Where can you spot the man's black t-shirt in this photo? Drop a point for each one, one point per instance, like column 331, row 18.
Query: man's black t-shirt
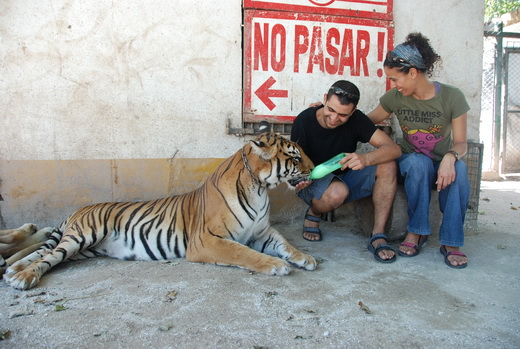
column 321, row 144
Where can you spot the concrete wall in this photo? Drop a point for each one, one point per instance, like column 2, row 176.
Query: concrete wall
column 119, row 80
column 85, row 85
column 456, row 32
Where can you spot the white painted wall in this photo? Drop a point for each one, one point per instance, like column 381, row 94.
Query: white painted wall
column 134, row 79
column 455, row 30
column 137, row 80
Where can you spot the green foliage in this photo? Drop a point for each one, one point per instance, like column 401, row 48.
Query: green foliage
column 496, row 8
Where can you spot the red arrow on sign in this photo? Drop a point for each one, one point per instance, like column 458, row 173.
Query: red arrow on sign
column 265, row 94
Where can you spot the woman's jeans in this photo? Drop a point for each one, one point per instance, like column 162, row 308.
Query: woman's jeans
column 420, row 173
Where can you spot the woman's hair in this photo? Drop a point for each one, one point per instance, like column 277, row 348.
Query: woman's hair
column 414, row 42
column 346, row 91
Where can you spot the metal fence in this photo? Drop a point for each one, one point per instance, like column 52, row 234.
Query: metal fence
column 487, row 112
column 473, row 160
column 500, row 101
column 511, row 152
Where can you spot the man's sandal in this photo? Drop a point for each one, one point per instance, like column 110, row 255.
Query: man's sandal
column 375, row 250
column 446, row 254
column 312, row 230
column 421, row 243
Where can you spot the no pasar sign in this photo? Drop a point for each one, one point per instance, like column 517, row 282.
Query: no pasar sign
column 290, row 58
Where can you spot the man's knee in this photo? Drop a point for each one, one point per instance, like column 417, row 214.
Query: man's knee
column 336, row 194
column 387, row 170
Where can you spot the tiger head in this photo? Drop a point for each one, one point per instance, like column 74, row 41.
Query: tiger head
column 278, row 160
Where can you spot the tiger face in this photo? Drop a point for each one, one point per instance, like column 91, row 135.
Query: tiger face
column 280, row 160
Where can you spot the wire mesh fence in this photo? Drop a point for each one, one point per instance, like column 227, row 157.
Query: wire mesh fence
column 473, row 160
column 511, row 152
column 487, row 112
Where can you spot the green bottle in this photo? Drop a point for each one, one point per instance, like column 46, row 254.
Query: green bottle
column 327, row 167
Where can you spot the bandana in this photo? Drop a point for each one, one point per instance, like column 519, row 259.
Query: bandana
column 410, row 54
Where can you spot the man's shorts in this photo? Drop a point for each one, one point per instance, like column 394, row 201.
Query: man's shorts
column 360, row 184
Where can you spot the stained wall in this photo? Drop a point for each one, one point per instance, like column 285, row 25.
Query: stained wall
column 103, row 101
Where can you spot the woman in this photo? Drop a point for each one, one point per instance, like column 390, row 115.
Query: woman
column 433, row 118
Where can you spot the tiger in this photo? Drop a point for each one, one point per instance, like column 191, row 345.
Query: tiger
column 224, row 222
column 18, row 243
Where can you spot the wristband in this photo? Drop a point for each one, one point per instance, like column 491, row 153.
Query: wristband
column 454, row 154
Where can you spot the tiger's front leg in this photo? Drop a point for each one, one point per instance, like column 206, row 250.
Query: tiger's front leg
column 273, row 243
column 14, row 236
column 27, row 272
column 220, row 251
column 23, row 275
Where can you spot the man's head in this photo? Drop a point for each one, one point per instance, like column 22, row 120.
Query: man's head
column 339, row 104
column 347, row 92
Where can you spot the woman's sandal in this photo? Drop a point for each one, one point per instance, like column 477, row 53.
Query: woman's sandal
column 311, row 230
column 446, row 254
column 375, row 250
column 421, row 243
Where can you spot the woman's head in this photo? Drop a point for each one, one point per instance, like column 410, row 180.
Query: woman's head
column 415, row 52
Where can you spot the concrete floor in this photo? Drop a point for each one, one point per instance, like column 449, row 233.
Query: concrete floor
column 413, row 303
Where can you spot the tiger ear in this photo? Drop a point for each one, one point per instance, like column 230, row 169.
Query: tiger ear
column 263, row 148
column 264, row 126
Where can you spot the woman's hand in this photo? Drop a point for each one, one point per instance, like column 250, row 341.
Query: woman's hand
column 446, row 174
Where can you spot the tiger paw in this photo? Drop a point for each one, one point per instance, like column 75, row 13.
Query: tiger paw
column 304, row 261
column 8, row 274
column 281, row 270
column 274, row 266
column 23, row 280
column 17, row 267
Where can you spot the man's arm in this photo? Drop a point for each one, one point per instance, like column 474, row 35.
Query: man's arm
column 387, row 150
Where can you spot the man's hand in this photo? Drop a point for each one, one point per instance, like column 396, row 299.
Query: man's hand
column 354, row 161
column 303, row 185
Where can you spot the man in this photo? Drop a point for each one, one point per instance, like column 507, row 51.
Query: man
column 335, row 127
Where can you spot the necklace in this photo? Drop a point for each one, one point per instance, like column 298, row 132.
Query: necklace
column 246, row 165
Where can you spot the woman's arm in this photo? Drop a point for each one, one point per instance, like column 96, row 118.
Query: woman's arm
column 459, row 128
column 446, row 174
column 378, row 115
